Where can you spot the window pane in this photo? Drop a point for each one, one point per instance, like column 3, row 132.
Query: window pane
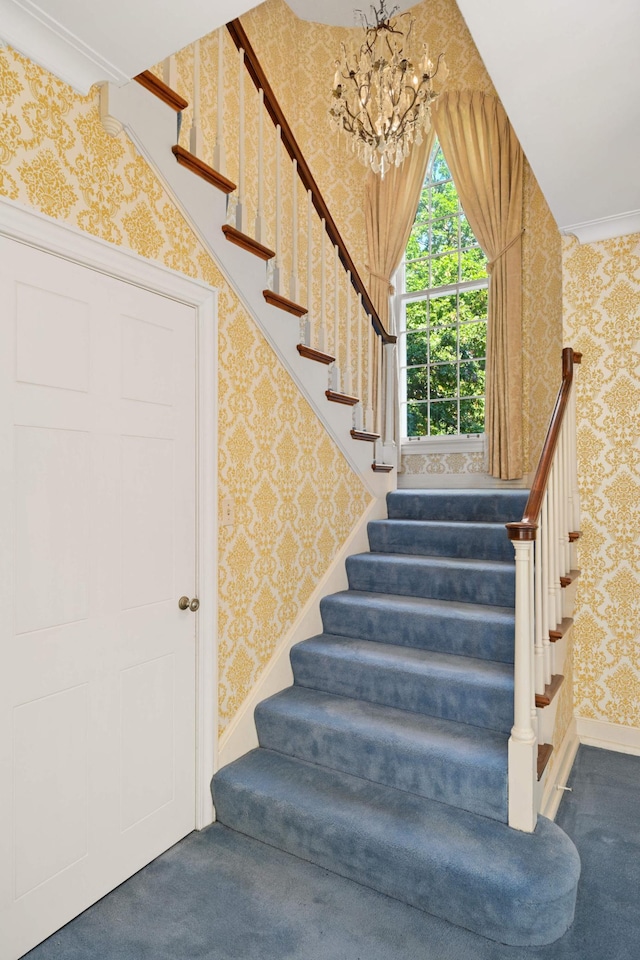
column 467, row 237
column 416, row 315
column 473, row 341
column 472, row 379
column 417, row 276
column 417, row 420
column 443, row 344
column 439, row 168
column 444, row 200
column 444, row 234
column 417, row 383
column 444, row 270
column 444, row 417
column 417, row 347
column 423, row 205
column 472, row 415
column 444, row 380
column 473, row 304
column 473, row 264
column 443, row 310
column 420, row 233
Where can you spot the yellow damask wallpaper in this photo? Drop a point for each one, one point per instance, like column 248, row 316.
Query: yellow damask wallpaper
column 602, row 319
column 296, row 498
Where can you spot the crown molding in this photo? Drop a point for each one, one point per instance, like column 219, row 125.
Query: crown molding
column 606, row 228
column 43, row 39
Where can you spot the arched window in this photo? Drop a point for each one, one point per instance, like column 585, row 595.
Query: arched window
column 442, row 294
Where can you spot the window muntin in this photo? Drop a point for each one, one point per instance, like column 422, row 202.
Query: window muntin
column 443, row 315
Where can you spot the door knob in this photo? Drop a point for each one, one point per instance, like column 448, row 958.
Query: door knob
column 185, row 604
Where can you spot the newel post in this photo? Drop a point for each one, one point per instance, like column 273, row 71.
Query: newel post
column 523, row 740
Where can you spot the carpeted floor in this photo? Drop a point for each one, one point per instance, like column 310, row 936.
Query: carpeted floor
column 221, row 896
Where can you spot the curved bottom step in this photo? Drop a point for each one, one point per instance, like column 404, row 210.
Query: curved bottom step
column 515, row 888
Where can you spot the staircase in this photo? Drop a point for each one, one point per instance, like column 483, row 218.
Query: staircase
column 386, row 761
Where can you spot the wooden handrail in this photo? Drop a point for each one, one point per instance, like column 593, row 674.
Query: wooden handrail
column 526, row 528
column 259, row 78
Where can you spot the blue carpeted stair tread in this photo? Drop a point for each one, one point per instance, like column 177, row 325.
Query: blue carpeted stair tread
column 512, row 887
column 466, row 629
column 447, row 761
column 489, row 582
column 476, row 692
column 437, row 538
column 490, row 506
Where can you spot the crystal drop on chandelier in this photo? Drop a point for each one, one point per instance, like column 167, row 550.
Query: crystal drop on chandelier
column 382, row 93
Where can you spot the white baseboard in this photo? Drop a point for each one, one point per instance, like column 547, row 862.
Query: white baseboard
column 558, row 772
column 458, row 481
column 609, row 736
column 240, row 736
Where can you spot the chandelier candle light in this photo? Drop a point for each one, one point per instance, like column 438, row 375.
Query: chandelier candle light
column 382, row 94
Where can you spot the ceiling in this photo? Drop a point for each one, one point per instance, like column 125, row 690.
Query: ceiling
column 339, row 13
column 568, row 77
column 84, row 42
column 565, row 72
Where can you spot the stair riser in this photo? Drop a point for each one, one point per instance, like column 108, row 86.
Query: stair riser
column 477, row 541
column 422, row 768
column 461, row 699
column 485, row 637
column 379, row 574
column 485, row 506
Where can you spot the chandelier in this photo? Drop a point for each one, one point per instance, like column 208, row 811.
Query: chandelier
column 382, row 93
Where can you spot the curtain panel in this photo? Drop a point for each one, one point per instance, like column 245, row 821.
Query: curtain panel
column 486, row 162
column 390, row 206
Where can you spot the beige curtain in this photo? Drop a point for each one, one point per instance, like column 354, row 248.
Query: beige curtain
column 486, row 163
column 390, row 206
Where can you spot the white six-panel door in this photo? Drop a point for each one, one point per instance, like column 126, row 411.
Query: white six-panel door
column 97, row 662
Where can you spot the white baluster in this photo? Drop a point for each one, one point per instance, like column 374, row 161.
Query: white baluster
column 277, row 273
column 522, row 742
column 346, row 376
column 195, row 135
column 241, row 207
column 219, row 156
column 323, row 288
column 552, row 552
column 335, row 366
column 533, row 710
column 390, row 395
column 170, row 72
column 568, row 499
column 294, row 286
column 557, row 540
column 538, row 621
column 543, row 539
column 378, row 453
column 370, row 375
column 358, row 419
column 309, row 318
column 259, row 230
column 378, row 344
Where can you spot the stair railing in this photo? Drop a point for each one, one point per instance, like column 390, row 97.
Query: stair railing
column 310, row 272
column 542, row 542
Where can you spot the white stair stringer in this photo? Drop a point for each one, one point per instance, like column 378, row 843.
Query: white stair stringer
column 151, row 126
